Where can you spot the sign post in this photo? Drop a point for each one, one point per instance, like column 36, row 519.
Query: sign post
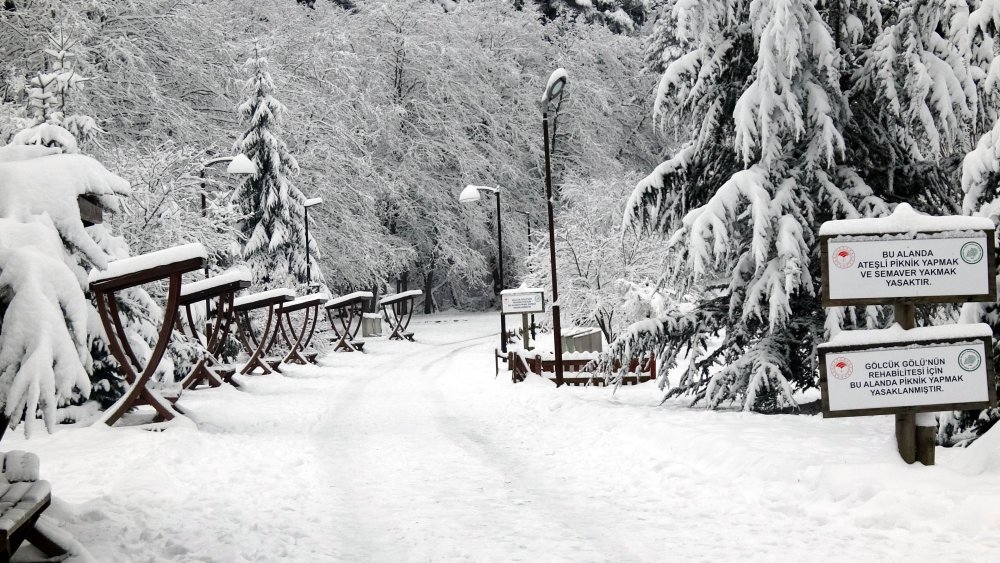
column 902, row 260
column 526, row 301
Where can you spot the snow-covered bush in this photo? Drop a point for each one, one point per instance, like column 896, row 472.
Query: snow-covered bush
column 47, row 320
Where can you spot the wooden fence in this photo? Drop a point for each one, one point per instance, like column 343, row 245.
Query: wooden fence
column 640, row 371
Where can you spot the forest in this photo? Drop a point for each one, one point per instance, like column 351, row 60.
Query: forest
column 696, row 150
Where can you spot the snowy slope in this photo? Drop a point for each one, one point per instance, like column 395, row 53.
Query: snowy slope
column 415, row 452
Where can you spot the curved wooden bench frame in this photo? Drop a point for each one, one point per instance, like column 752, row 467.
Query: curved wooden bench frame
column 129, row 366
column 398, row 310
column 303, row 337
column 253, row 346
column 218, row 331
column 347, row 309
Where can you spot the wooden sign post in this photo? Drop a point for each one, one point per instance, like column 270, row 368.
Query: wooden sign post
column 526, row 301
column 902, row 260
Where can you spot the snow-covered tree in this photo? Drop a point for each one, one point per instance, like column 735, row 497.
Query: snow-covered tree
column 47, row 321
column 274, row 223
column 606, row 276
column 765, row 109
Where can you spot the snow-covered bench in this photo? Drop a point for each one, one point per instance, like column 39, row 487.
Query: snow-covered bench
column 169, row 264
column 576, row 368
column 223, row 289
column 309, row 304
column 350, row 310
column 23, row 498
column 398, row 310
column 253, row 346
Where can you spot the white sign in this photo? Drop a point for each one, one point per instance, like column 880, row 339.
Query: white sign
column 908, row 375
column 523, row 302
column 868, row 269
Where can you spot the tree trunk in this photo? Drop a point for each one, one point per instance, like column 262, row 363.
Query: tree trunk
column 429, row 292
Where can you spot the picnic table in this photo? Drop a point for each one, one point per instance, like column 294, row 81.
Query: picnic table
column 223, row 289
column 309, row 304
column 398, row 310
column 23, row 498
column 348, row 308
column 169, row 264
column 254, row 347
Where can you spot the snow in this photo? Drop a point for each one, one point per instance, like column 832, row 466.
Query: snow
column 557, row 75
column 149, row 261
column 349, row 297
column 225, row 278
column 11, row 153
column 312, row 201
column 469, row 467
column 392, row 298
column 522, row 289
column 311, row 298
column 897, row 334
column 904, row 219
column 264, row 296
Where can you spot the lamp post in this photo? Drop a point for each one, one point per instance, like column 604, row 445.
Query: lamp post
column 306, row 205
column 527, row 217
column 239, row 165
column 471, row 195
column 553, row 91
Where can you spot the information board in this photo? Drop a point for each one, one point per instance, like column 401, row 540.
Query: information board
column 522, row 301
column 941, row 267
column 906, row 377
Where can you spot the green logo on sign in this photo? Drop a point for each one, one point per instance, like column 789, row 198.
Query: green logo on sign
column 969, row 360
column 972, row 252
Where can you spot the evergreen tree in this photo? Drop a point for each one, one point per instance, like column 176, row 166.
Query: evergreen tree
column 274, row 224
column 765, row 108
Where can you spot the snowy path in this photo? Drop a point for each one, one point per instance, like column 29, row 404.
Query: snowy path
column 414, row 452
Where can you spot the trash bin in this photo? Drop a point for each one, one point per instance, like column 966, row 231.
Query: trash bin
column 371, row 324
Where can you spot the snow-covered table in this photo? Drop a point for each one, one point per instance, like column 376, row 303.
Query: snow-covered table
column 398, row 310
column 253, row 346
column 223, row 289
column 348, row 308
column 309, row 304
column 170, row 264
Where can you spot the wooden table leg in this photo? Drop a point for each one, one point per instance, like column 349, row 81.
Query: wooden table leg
column 246, row 334
column 138, row 392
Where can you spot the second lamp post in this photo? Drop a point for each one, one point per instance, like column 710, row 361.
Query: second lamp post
column 471, row 195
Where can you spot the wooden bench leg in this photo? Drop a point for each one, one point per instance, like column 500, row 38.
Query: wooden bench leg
column 44, row 544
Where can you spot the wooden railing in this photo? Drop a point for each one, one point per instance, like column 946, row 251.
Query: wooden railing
column 640, row 371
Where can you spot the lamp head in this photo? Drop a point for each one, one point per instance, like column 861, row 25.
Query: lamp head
column 241, row 165
column 312, row 201
column 469, row 195
column 554, row 87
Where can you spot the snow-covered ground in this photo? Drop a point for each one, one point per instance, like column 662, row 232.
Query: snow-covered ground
column 415, row 452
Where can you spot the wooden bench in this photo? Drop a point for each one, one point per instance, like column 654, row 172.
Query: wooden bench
column 23, row 498
column 255, row 347
column 349, row 309
column 574, row 370
column 170, row 264
column 223, row 289
column 398, row 310
column 309, row 305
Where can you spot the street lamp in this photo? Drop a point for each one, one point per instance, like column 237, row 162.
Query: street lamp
column 306, row 205
column 527, row 217
column 471, row 195
column 239, row 165
column 553, row 92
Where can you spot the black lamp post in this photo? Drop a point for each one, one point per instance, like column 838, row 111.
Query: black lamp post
column 470, row 195
column 527, row 217
column 553, row 94
column 239, row 165
column 306, row 205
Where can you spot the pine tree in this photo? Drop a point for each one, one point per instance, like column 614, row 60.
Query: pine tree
column 742, row 201
column 274, row 225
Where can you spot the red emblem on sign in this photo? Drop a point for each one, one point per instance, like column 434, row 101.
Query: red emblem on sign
column 841, row 367
column 843, row 257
